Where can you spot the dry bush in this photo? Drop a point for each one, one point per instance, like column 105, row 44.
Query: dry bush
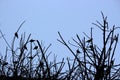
column 28, row 59
column 95, row 63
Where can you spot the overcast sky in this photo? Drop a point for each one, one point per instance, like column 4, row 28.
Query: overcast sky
column 45, row 17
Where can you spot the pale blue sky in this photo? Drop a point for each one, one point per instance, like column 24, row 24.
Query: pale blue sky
column 45, row 17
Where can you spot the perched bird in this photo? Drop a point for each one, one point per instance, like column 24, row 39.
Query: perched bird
column 36, row 47
column 91, row 47
column 116, row 38
column 112, row 62
column 16, row 34
column 30, row 57
column 25, row 47
column 77, row 51
column 32, row 40
column 41, row 64
column 90, row 40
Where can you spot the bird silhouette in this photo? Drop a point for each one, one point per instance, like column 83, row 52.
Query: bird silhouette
column 112, row 62
column 36, row 47
column 16, row 34
column 90, row 40
column 25, row 47
column 116, row 38
column 91, row 47
column 32, row 40
column 30, row 57
column 77, row 51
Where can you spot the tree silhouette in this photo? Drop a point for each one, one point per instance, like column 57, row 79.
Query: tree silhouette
column 29, row 60
column 96, row 63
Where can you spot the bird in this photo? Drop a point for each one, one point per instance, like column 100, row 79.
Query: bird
column 32, row 40
column 16, row 34
column 112, row 62
column 116, row 38
column 91, row 47
column 25, row 47
column 36, row 47
column 77, row 51
column 90, row 40
column 30, row 57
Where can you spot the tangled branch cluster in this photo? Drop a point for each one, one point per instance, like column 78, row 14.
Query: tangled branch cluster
column 30, row 59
